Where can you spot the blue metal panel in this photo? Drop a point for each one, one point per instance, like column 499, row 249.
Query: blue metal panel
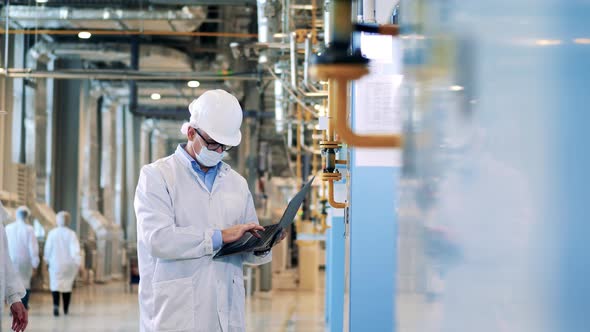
column 372, row 247
column 572, row 162
column 335, row 246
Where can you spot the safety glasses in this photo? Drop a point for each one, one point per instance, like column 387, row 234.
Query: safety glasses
column 213, row 146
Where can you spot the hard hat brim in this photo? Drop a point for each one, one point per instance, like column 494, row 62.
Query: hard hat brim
column 233, row 140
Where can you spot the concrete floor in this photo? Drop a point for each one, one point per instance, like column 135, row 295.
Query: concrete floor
column 107, row 308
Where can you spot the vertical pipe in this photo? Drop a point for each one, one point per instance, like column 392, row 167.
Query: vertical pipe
column 308, row 50
column 293, row 56
column 298, row 156
column 329, row 114
column 134, row 66
column 314, row 20
column 367, row 13
column 6, row 33
column 340, row 22
column 327, row 24
column 50, row 97
column 6, row 39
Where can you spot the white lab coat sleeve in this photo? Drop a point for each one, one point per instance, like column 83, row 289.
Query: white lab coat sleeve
column 14, row 290
column 250, row 216
column 155, row 222
column 33, row 248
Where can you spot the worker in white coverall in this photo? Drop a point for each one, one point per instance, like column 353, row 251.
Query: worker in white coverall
column 62, row 254
column 188, row 205
column 23, row 248
column 11, row 288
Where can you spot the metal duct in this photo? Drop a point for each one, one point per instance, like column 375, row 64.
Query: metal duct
column 151, row 57
column 204, row 2
column 187, row 19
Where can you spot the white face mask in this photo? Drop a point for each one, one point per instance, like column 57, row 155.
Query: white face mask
column 207, row 157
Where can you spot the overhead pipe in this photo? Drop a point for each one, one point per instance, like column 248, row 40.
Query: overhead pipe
column 107, row 52
column 192, row 17
column 125, row 75
column 204, row 2
column 131, row 33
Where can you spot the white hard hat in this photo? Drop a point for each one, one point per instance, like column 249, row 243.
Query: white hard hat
column 219, row 114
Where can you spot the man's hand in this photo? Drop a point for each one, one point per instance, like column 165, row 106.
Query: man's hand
column 19, row 317
column 283, row 236
column 234, row 233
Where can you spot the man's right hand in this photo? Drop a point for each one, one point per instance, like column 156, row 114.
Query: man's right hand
column 234, row 233
column 19, row 317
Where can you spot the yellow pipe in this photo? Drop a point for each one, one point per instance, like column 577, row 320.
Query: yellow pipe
column 330, row 114
column 333, row 203
column 340, row 122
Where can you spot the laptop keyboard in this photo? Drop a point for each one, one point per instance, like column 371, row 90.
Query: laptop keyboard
column 269, row 232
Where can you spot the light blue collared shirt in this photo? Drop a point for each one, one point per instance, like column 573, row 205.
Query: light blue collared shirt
column 208, row 179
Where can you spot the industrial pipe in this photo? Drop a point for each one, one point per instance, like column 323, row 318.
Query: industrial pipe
column 306, row 59
column 123, row 75
column 340, row 122
column 383, row 29
column 131, row 33
column 293, row 58
column 333, row 203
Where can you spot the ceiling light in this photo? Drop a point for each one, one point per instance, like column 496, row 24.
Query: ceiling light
column 155, row 96
column 582, row 40
column 84, row 35
column 456, row 88
column 41, row 1
column 193, row 84
column 547, row 42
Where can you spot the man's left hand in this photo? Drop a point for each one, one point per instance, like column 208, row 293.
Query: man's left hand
column 19, row 317
column 283, row 236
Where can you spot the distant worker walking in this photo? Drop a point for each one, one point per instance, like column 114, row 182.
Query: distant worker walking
column 23, row 248
column 62, row 254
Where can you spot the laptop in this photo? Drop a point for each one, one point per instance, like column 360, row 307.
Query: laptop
column 271, row 233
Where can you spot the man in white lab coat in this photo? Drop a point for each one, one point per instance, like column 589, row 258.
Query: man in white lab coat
column 62, row 254
column 187, row 206
column 11, row 289
column 23, row 248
